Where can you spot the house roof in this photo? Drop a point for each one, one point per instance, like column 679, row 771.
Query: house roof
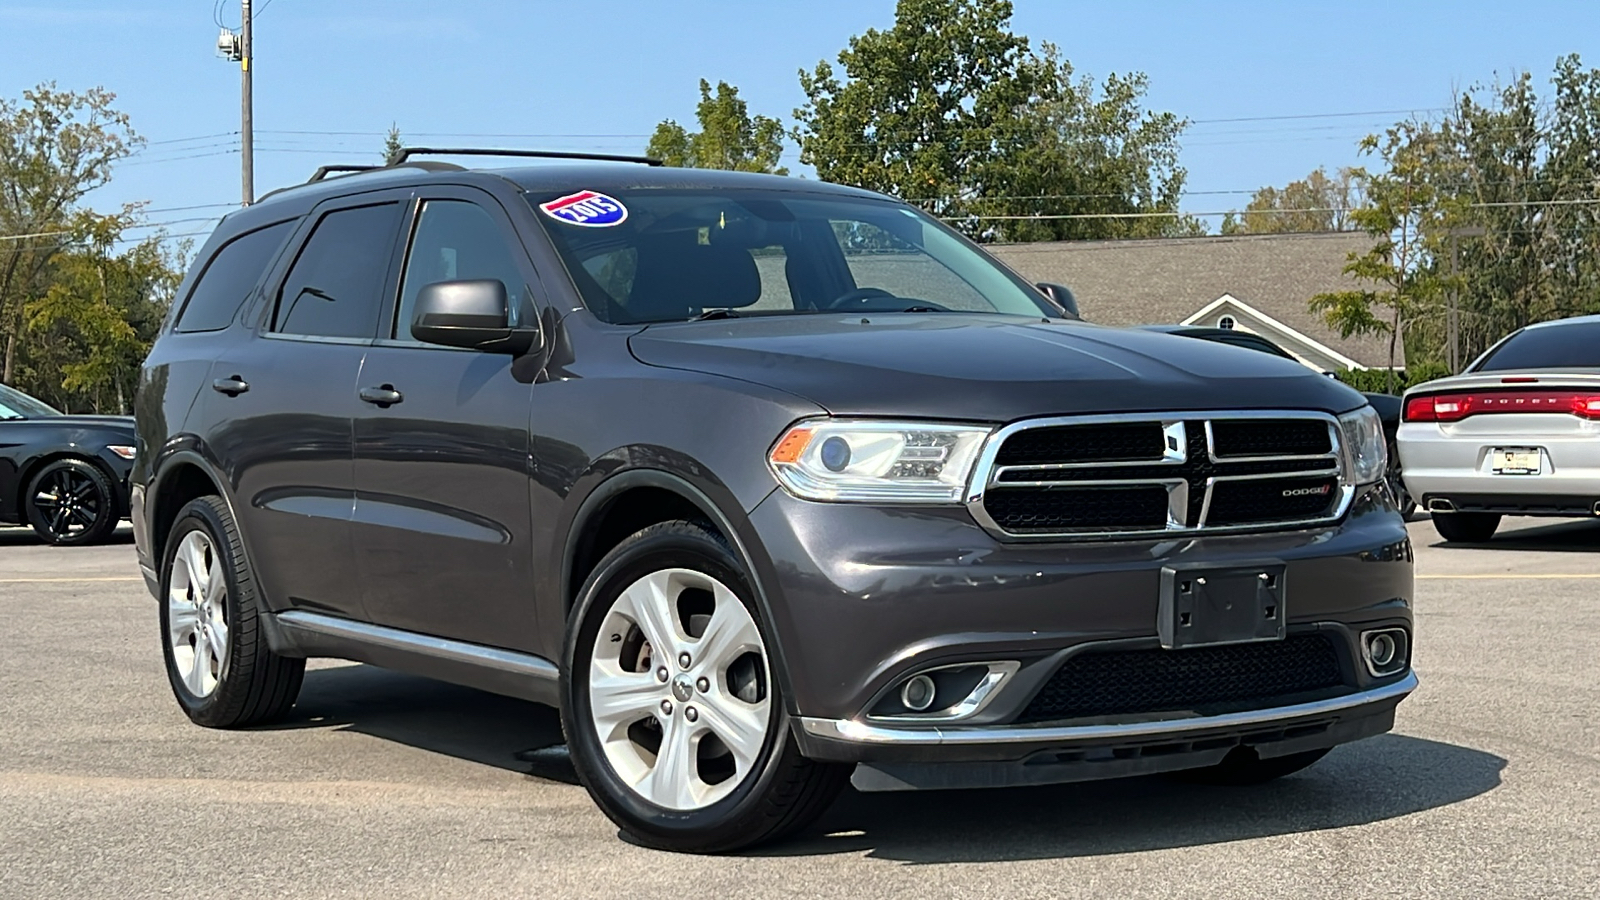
column 1140, row 282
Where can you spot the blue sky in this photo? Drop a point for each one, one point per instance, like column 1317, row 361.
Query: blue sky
column 331, row 75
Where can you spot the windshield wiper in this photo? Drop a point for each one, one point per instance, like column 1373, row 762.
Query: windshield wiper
column 720, row 313
column 923, row 309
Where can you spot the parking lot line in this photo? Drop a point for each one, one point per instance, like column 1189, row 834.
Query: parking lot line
column 64, row 580
column 1512, row 575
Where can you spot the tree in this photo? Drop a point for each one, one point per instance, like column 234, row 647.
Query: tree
column 952, row 110
column 1402, row 215
column 392, row 145
column 729, row 137
column 1316, row 203
column 55, row 147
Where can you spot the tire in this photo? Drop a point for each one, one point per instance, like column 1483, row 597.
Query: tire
column 246, row 683
column 1467, row 528
column 1397, row 485
column 71, row 503
column 728, row 794
column 1243, row 767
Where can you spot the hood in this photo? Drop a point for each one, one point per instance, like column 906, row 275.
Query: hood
column 110, row 423
column 985, row 368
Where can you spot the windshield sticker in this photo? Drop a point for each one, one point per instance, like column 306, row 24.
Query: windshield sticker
column 588, row 208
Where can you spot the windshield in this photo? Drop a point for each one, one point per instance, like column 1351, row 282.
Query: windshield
column 659, row 255
column 1574, row 345
column 14, row 404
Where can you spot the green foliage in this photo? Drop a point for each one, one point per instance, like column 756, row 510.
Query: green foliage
column 952, row 110
column 729, row 137
column 1384, row 381
column 392, row 145
column 77, row 316
column 1316, row 203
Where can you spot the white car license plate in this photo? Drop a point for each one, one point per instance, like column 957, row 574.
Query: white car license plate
column 1515, row 460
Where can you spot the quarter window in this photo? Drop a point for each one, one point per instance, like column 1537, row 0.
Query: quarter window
column 333, row 290
column 456, row 241
column 229, row 277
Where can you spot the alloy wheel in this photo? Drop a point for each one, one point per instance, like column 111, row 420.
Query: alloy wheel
column 678, row 689
column 69, row 503
column 197, row 625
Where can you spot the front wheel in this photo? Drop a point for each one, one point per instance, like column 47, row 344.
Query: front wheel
column 674, row 717
column 70, row 503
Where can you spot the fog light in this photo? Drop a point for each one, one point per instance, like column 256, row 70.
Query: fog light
column 917, row 694
column 1384, row 651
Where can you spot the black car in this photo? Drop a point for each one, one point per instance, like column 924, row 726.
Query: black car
column 770, row 485
column 67, row 476
column 1387, row 406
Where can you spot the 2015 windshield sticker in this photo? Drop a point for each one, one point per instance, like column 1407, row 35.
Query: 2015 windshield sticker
column 591, row 209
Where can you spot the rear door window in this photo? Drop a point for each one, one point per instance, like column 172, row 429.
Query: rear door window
column 335, row 287
column 1574, row 345
column 229, row 277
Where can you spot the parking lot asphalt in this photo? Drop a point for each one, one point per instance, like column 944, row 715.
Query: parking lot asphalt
column 385, row 785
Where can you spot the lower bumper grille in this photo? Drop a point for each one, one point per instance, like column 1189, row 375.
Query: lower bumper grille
column 1125, row 682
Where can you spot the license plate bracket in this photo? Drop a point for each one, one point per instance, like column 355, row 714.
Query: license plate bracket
column 1206, row 605
column 1516, row 461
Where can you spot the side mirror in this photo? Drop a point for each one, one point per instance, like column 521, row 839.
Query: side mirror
column 475, row 315
column 1062, row 298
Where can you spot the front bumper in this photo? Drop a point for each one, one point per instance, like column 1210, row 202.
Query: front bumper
column 861, row 597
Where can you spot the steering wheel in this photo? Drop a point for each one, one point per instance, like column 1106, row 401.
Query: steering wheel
column 859, row 295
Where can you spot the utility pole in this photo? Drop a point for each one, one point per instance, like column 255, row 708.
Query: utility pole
column 237, row 48
column 247, row 146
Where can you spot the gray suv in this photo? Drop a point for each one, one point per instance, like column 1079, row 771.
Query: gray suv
column 769, row 485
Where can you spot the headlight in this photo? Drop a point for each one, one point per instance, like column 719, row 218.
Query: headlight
column 876, row 462
column 1364, row 445
column 122, row 450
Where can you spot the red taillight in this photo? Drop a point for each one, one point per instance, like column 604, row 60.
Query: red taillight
column 1455, row 407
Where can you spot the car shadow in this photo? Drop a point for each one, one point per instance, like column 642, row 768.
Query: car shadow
column 23, row 536
column 468, row 724
column 1369, row 781
column 1560, row 536
column 1380, row 778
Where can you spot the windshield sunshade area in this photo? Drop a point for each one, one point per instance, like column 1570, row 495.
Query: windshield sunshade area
column 664, row 255
column 1572, row 345
column 14, row 404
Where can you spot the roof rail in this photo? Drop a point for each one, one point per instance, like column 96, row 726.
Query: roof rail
column 324, row 171
column 405, row 153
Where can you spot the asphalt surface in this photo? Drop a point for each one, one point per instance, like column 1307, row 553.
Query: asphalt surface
column 384, row 785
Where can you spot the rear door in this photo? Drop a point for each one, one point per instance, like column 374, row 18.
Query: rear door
column 441, row 526
column 283, row 403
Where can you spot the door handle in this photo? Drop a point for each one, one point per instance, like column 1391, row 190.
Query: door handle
column 233, row 385
column 383, row 395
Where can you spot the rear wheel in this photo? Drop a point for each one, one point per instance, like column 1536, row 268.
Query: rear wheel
column 674, row 718
column 1397, row 485
column 218, row 662
column 1467, row 528
column 1243, row 766
column 70, row 502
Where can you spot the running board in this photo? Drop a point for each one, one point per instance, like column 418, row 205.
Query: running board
column 298, row 633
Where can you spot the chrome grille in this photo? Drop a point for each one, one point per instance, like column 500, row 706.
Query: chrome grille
column 1108, row 476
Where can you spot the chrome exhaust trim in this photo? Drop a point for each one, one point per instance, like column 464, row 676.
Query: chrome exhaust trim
column 1439, row 504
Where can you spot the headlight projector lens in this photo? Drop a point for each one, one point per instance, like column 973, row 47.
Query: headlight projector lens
column 835, row 454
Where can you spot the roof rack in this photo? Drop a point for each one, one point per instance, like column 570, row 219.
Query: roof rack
column 324, row 171
column 405, row 153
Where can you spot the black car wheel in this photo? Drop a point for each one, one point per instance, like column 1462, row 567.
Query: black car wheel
column 674, row 719
column 70, row 502
column 222, row 671
column 1397, row 484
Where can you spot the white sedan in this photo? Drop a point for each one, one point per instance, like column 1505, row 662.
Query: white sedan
column 1517, row 433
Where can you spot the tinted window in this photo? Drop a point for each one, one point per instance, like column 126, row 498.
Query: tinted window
column 229, row 278
column 675, row 254
column 333, row 289
column 455, row 241
column 14, row 404
column 1566, row 346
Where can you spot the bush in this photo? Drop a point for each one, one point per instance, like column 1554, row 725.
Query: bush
column 1377, row 380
